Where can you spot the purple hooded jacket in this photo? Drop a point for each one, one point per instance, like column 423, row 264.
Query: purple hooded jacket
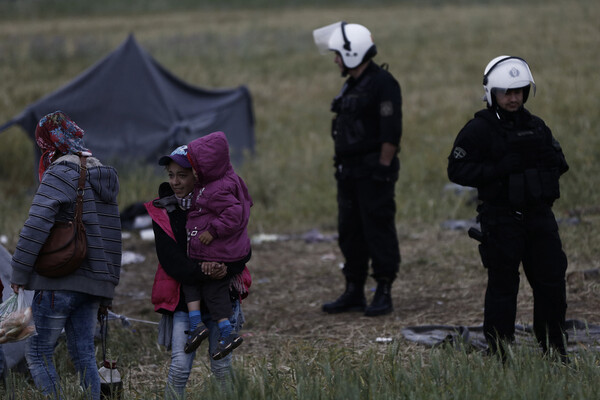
column 220, row 204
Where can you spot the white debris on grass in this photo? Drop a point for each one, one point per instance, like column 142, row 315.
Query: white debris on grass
column 147, row 234
column 328, row 257
column 142, row 221
column 312, row 236
column 460, row 224
column 266, row 237
column 129, row 257
column 458, row 189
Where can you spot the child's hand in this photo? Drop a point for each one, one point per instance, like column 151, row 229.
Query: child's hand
column 205, row 237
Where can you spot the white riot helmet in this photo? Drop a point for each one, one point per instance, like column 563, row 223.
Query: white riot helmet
column 507, row 72
column 353, row 42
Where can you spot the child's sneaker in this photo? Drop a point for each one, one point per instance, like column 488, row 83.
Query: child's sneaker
column 195, row 338
column 226, row 345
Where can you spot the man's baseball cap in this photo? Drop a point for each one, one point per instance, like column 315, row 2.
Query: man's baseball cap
column 179, row 155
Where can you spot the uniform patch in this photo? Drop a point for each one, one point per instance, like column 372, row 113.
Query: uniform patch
column 459, row 153
column 386, row 109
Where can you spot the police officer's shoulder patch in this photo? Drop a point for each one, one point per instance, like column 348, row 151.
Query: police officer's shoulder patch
column 459, row 152
column 386, row 109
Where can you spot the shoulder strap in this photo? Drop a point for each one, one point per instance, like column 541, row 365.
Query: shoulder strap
column 80, row 188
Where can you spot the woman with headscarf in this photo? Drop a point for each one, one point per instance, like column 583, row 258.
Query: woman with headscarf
column 71, row 302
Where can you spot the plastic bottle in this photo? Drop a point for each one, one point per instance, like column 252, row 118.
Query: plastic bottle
column 111, row 387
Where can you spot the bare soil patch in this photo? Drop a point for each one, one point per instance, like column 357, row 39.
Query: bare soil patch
column 441, row 281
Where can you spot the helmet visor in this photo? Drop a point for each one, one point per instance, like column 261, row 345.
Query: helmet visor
column 526, row 86
column 323, row 35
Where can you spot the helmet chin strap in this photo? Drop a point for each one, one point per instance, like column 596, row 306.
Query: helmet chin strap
column 505, row 115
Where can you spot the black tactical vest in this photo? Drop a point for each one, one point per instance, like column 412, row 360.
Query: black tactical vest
column 535, row 184
column 355, row 127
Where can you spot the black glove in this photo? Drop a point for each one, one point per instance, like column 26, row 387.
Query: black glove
column 384, row 173
column 510, row 163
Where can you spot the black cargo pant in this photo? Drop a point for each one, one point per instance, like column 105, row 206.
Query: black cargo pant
column 530, row 237
column 367, row 228
column 214, row 294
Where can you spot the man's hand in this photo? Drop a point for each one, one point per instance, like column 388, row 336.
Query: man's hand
column 205, row 237
column 214, row 269
column 103, row 312
column 388, row 152
column 219, row 271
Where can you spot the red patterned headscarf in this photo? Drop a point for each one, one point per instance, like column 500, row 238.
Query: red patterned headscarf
column 56, row 132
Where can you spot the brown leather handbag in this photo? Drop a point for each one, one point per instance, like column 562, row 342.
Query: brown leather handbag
column 66, row 246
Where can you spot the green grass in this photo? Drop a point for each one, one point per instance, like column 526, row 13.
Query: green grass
column 335, row 372
column 437, row 50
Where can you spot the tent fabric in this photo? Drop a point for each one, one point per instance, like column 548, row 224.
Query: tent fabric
column 134, row 110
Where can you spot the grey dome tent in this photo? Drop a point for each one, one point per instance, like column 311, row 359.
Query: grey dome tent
column 133, row 110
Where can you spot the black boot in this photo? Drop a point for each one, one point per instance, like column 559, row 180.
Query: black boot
column 382, row 300
column 353, row 299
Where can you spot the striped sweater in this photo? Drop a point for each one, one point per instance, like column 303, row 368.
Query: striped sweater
column 55, row 200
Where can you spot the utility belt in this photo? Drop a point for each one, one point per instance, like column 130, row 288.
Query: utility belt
column 354, row 166
column 505, row 213
column 502, row 210
column 366, row 165
column 356, row 160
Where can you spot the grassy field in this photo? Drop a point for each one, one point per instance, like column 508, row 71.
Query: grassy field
column 437, row 50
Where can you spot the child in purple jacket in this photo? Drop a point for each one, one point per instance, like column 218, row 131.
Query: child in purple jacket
column 217, row 231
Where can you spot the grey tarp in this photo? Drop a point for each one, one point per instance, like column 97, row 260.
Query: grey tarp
column 580, row 334
column 134, row 110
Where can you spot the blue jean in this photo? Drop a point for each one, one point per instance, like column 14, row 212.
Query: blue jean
column 181, row 363
column 2, row 363
column 76, row 313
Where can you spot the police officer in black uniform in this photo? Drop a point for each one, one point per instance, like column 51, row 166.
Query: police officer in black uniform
column 366, row 132
column 513, row 160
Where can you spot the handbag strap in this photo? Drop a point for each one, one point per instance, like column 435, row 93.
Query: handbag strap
column 103, row 335
column 80, row 188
